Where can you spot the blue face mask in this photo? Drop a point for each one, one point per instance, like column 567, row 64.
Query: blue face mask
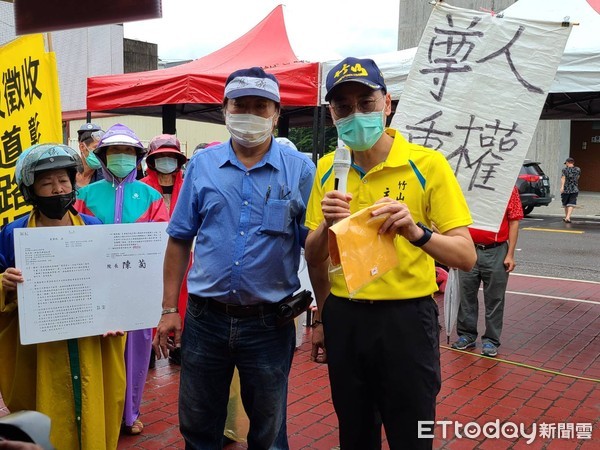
column 120, row 164
column 92, row 161
column 360, row 131
column 166, row 164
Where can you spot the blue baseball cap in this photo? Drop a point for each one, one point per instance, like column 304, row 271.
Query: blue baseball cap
column 254, row 81
column 89, row 127
column 363, row 71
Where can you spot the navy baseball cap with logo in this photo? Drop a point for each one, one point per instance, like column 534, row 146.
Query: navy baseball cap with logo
column 363, row 71
column 254, row 81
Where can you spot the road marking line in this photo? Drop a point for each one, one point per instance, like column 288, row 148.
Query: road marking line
column 513, row 274
column 519, row 364
column 552, row 297
column 552, row 231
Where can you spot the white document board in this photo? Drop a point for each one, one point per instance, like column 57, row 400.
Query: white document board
column 86, row 280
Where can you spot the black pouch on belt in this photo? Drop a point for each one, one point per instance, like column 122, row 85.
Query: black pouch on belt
column 290, row 308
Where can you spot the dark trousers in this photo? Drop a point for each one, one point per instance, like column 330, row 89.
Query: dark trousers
column 211, row 345
column 384, row 368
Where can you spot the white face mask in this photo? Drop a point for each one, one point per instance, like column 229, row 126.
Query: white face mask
column 248, row 130
column 166, row 164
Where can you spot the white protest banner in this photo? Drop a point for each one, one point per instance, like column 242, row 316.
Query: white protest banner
column 475, row 92
column 86, row 280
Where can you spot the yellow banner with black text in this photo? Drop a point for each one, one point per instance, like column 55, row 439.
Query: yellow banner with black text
column 30, row 112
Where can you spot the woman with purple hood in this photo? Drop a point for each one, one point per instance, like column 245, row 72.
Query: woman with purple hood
column 120, row 198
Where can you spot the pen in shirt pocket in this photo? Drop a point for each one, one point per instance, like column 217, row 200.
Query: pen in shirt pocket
column 284, row 192
column 268, row 194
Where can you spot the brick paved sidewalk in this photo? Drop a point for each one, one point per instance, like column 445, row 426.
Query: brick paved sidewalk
column 543, row 330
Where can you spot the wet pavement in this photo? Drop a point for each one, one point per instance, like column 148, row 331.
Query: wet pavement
column 547, row 375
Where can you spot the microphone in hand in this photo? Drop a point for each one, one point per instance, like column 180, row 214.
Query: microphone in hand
column 341, row 166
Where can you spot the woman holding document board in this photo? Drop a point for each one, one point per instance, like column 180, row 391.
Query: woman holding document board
column 78, row 383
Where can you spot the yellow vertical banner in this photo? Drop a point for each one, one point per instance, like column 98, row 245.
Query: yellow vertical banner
column 30, row 111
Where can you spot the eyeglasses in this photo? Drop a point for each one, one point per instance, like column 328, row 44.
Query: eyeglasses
column 97, row 135
column 364, row 105
column 94, row 136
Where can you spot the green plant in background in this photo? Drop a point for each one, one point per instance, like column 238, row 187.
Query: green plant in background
column 302, row 137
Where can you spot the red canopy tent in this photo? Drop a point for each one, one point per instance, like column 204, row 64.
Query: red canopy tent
column 195, row 90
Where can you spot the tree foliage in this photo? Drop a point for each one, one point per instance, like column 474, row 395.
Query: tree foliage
column 302, row 137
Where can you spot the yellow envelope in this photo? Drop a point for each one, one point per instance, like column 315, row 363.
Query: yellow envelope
column 363, row 253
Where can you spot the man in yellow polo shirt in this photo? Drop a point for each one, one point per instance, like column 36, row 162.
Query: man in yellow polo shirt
column 382, row 341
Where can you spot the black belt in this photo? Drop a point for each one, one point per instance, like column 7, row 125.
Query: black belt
column 488, row 246
column 237, row 311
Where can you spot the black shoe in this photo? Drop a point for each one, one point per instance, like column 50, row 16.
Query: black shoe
column 175, row 356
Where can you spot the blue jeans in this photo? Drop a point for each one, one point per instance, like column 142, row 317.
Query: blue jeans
column 212, row 344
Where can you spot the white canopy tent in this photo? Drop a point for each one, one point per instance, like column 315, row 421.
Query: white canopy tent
column 394, row 66
column 575, row 92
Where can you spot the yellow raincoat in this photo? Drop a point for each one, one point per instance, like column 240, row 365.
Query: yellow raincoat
column 78, row 383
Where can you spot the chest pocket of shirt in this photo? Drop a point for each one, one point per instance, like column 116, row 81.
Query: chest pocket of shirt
column 277, row 216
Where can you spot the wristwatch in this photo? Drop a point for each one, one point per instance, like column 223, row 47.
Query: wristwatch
column 423, row 239
column 169, row 311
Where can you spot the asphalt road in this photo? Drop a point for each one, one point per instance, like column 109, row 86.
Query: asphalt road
column 549, row 247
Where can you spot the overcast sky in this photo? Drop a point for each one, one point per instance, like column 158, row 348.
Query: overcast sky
column 318, row 30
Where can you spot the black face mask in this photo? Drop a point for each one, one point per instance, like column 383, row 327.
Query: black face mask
column 56, row 206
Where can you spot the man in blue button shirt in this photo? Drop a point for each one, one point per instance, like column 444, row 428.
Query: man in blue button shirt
column 244, row 203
